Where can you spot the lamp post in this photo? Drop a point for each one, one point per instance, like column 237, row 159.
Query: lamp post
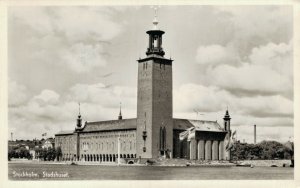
column 119, row 149
column 144, row 138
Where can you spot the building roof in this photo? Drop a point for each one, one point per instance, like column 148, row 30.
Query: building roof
column 65, row 132
column 129, row 124
column 110, row 125
column 200, row 125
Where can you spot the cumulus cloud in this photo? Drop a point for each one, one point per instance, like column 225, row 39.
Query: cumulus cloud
column 271, row 113
column 50, row 112
column 99, row 93
column 252, row 78
column 211, row 99
column 46, row 97
column 269, row 71
column 193, row 96
column 75, row 36
column 257, row 59
column 83, row 58
column 278, row 57
column 215, row 54
column 17, row 94
column 258, row 25
column 81, row 23
column 75, row 23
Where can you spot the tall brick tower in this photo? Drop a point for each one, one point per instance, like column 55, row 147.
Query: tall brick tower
column 154, row 103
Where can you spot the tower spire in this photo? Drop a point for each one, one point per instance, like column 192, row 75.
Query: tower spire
column 79, row 109
column 120, row 114
column 155, row 20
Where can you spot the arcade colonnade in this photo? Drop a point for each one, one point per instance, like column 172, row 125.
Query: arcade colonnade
column 97, row 157
column 207, row 150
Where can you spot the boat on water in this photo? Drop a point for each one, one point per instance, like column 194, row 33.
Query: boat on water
column 73, row 163
column 244, row 165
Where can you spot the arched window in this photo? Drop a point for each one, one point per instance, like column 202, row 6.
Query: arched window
column 162, row 140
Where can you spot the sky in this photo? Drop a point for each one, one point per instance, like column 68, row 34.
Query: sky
column 235, row 57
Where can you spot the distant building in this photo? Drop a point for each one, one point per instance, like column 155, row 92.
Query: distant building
column 154, row 133
column 32, row 152
column 48, row 143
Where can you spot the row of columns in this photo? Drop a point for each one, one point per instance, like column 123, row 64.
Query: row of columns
column 105, row 157
column 97, row 157
column 207, row 150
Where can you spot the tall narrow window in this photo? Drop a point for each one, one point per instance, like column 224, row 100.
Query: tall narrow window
column 161, row 139
column 164, row 138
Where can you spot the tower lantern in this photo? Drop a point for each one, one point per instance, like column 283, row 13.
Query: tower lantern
column 155, row 39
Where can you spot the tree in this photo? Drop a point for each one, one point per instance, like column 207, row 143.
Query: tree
column 262, row 150
column 289, row 146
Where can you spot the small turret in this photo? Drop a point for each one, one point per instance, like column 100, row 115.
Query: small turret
column 79, row 120
column 120, row 114
column 227, row 121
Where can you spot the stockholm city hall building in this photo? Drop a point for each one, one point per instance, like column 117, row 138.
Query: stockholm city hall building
column 154, row 133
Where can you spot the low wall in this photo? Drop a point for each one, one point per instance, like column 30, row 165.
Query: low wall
column 278, row 163
column 19, row 159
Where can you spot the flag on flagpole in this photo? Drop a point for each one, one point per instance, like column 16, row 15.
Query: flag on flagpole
column 189, row 133
column 229, row 140
column 233, row 136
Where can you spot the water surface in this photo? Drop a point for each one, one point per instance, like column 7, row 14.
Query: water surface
column 97, row 172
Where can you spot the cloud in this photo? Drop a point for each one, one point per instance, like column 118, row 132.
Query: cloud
column 46, row 97
column 252, row 78
column 108, row 97
column 74, row 36
column 278, row 57
column 269, row 71
column 193, row 96
column 215, row 54
column 212, row 99
column 83, row 58
column 273, row 114
column 36, row 18
column 75, row 23
column 17, row 94
column 257, row 25
column 50, row 112
column 81, row 23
